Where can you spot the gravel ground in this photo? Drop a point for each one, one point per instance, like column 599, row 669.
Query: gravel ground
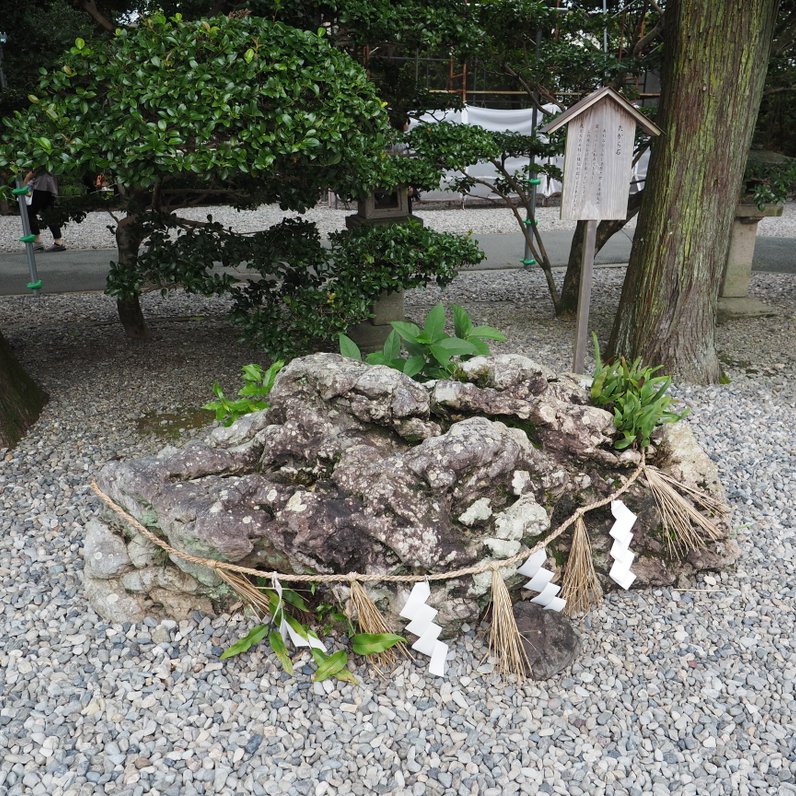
column 93, row 232
column 685, row 691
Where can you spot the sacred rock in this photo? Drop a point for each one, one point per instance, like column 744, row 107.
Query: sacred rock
column 358, row 468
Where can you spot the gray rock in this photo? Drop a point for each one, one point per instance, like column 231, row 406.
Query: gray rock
column 142, row 552
column 357, row 468
column 104, row 553
column 549, row 639
column 113, row 602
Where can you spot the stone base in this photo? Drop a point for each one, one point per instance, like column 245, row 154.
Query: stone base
column 743, row 307
column 738, row 268
column 370, row 335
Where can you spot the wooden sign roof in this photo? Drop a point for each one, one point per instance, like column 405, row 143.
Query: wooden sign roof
column 587, row 102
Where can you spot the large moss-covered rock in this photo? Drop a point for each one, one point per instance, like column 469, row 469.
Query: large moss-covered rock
column 358, row 468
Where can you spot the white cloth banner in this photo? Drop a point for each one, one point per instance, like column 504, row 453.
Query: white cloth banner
column 518, row 120
column 514, row 121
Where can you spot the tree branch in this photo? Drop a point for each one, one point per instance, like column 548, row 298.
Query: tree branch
column 90, row 7
column 533, row 95
column 778, row 90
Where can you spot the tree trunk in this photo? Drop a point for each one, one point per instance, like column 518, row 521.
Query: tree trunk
column 714, row 67
column 568, row 304
column 128, row 241
column 21, row 399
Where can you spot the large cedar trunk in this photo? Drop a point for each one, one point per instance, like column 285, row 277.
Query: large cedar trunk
column 128, row 241
column 713, row 72
column 21, row 399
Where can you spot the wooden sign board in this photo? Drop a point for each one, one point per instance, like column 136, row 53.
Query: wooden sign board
column 598, row 164
column 598, row 160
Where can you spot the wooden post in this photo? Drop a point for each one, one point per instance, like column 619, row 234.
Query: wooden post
column 584, row 297
column 597, row 168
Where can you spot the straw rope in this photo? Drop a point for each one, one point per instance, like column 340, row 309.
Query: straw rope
column 361, row 577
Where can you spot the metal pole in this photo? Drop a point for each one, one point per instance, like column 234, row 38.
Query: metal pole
column 27, row 237
column 584, row 297
column 3, row 40
column 530, row 210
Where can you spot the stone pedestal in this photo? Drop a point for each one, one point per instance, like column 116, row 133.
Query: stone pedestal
column 379, row 209
column 370, row 335
column 738, row 270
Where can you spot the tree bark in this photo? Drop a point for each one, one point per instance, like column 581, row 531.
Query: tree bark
column 128, row 242
column 568, row 303
column 21, row 399
column 713, row 71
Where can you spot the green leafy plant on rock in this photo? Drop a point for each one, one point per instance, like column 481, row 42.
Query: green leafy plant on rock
column 638, row 399
column 257, row 384
column 432, row 352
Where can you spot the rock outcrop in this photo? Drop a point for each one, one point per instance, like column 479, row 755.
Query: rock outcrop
column 359, row 468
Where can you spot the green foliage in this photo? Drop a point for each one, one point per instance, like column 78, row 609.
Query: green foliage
column 432, row 352
column 223, row 99
column 257, row 384
column 300, row 294
column 401, row 256
column 328, row 665
column 280, row 650
column 254, row 636
column 374, row 643
column 38, row 33
column 569, row 55
column 640, row 401
column 445, row 150
column 769, row 178
column 329, row 616
column 776, row 122
column 333, row 665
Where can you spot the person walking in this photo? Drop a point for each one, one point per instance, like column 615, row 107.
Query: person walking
column 44, row 190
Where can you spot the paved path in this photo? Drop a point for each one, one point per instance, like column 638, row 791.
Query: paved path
column 78, row 270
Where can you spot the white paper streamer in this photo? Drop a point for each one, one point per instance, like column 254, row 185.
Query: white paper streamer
column 286, row 630
column 620, row 550
column 422, row 625
column 540, row 580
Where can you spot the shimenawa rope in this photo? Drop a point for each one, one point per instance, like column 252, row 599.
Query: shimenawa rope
column 362, row 577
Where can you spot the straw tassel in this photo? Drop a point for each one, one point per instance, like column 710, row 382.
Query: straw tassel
column 580, row 586
column 250, row 594
column 505, row 642
column 686, row 527
column 371, row 620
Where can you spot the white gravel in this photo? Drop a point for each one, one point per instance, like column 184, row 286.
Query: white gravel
column 676, row 691
column 94, row 232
